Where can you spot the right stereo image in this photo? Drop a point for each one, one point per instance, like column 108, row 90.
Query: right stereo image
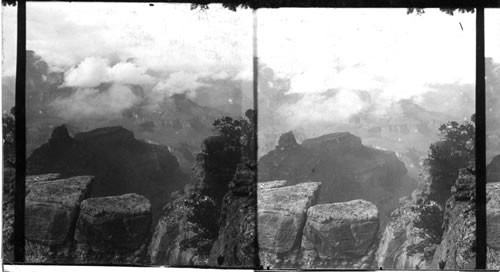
column 366, row 139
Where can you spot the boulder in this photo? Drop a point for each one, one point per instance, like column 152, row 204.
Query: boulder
column 51, row 212
column 113, row 229
column 340, row 235
column 281, row 218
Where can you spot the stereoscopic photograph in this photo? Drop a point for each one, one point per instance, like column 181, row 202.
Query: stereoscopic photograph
column 366, row 139
column 221, row 136
column 139, row 135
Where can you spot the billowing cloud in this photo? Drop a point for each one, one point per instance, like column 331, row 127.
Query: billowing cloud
column 93, row 103
column 178, row 82
column 88, row 74
column 93, row 71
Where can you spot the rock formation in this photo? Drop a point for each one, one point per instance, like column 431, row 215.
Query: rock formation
column 457, row 248
column 52, row 208
column 405, row 243
column 340, row 235
column 120, row 163
column 281, row 219
column 236, row 244
column 346, row 168
column 113, row 230
column 195, row 230
column 493, row 225
column 422, row 235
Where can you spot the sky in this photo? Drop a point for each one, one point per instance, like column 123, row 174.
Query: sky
column 96, row 42
column 367, row 49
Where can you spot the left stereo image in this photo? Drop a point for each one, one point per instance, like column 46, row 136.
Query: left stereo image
column 140, row 135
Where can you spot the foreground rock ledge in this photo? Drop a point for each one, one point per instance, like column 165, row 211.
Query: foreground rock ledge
column 113, row 229
column 340, row 235
column 51, row 212
column 281, row 218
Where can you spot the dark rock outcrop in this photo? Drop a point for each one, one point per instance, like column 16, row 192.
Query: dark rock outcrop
column 281, row 219
column 120, row 163
column 113, row 230
column 176, row 241
column 236, row 245
column 194, row 230
column 52, row 208
column 340, row 235
column 347, row 169
column 457, row 249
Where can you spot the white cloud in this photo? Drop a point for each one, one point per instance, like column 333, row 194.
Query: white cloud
column 163, row 38
column 351, row 49
column 88, row 74
column 178, row 82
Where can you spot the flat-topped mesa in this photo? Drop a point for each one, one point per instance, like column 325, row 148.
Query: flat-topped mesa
column 281, row 218
column 271, row 184
column 106, row 134
column 113, row 229
column 340, row 235
column 334, row 140
column 51, row 213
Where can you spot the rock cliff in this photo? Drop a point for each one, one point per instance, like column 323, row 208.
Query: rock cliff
column 422, row 235
column 296, row 232
column 52, row 208
column 236, row 244
column 346, row 168
column 195, row 230
column 281, row 219
column 113, row 230
column 120, row 163
column 406, row 243
column 493, row 225
column 340, row 235
column 64, row 226
column 457, row 248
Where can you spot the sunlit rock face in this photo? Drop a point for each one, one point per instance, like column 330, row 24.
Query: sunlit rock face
column 340, row 235
column 282, row 215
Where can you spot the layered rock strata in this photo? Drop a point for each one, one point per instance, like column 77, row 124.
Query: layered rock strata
column 52, row 208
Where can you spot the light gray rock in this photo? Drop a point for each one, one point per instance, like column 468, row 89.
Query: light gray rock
column 340, row 235
column 281, row 218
